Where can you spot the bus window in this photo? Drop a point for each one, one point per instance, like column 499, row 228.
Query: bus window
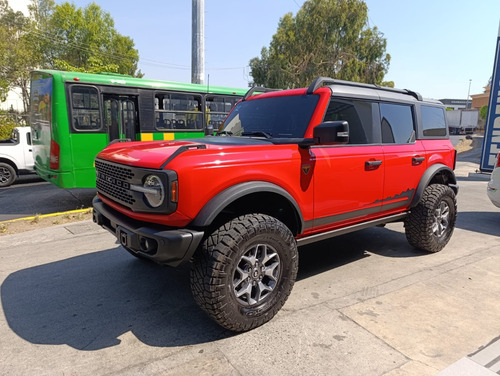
column 85, row 113
column 177, row 111
column 217, row 107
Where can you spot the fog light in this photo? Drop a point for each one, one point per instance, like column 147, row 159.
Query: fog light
column 148, row 245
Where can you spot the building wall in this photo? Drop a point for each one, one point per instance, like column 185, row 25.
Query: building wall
column 14, row 101
column 454, row 104
column 480, row 100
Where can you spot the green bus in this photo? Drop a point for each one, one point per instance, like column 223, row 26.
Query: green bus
column 75, row 115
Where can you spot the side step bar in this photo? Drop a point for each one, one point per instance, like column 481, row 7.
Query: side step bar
column 346, row 230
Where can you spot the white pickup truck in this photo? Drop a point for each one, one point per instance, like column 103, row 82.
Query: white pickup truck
column 16, row 157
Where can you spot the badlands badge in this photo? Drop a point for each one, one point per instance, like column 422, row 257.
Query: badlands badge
column 306, row 168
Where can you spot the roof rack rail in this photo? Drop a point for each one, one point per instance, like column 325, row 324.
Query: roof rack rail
column 254, row 89
column 320, row 81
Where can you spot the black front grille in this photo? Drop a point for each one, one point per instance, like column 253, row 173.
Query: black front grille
column 114, row 181
column 119, row 172
column 122, row 184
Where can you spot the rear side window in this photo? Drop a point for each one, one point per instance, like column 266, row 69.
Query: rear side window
column 397, row 123
column 433, row 121
column 358, row 114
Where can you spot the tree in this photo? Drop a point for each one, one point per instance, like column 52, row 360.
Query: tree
column 483, row 112
column 17, row 57
column 83, row 39
column 60, row 37
column 326, row 38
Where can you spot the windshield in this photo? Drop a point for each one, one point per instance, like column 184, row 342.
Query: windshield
column 277, row 117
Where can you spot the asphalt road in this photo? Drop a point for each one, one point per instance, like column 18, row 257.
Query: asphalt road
column 73, row 302
column 31, row 195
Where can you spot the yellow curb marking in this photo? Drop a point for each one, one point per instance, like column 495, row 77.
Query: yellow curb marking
column 46, row 215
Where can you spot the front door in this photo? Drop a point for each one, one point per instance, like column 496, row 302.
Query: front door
column 120, row 116
column 349, row 179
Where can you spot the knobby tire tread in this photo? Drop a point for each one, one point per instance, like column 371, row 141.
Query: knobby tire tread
column 211, row 263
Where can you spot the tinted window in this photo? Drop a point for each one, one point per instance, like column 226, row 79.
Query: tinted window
column 359, row 116
column 284, row 117
column 178, row 111
column 433, row 121
column 85, row 108
column 397, row 123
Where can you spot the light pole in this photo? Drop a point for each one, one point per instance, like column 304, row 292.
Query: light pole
column 198, row 42
column 468, row 92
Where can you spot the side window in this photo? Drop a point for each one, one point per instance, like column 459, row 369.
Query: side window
column 433, row 121
column 217, row 107
column 397, row 123
column 359, row 115
column 85, row 114
column 177, row 111
column 15, row 136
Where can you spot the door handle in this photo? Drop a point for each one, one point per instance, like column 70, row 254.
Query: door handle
column 416, row 161
column 372, row 165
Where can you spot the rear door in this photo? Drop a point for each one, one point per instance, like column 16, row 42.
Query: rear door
column 405, row 158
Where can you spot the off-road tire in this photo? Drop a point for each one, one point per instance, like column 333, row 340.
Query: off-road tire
column 243, row 272
column 430, row 224
column 7, row 174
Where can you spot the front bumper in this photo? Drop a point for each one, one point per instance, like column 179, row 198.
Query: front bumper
column 165, row 246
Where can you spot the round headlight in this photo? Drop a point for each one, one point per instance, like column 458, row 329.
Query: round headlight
column 154, row 191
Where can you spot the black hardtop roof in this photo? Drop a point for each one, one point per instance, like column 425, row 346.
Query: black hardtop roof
column 356, row 89
column 321, row 81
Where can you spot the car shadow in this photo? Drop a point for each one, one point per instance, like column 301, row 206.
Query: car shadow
column 332, row 253
column 89, row 301
column 480, row 222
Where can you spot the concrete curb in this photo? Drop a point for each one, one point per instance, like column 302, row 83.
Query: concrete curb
column 46, row 215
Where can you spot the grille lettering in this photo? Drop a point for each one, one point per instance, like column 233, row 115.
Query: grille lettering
column 112, row 180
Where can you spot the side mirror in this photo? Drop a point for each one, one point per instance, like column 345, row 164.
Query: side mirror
column 331, row 132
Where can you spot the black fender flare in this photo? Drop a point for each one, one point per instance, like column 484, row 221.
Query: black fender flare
column 429, row 175
column 214, row 207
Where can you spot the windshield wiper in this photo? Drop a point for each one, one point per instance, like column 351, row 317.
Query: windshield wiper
column 224, row 133
column 257, row 134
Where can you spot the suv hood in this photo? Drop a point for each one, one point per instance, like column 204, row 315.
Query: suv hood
column 154, row 154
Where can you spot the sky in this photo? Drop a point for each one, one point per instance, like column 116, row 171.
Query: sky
column 439, row 48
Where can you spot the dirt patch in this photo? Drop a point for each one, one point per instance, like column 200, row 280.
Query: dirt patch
column 464, row 144
column 40, row 221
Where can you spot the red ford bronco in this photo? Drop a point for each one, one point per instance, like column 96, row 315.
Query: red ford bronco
column 286, row 168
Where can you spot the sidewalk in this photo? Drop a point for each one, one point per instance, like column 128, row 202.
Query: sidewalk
column 484, row 362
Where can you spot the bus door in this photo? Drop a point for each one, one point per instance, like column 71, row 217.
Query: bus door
column 120, row 116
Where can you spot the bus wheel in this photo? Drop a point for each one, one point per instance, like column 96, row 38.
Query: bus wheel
column 7, row 175
column 244, row 271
